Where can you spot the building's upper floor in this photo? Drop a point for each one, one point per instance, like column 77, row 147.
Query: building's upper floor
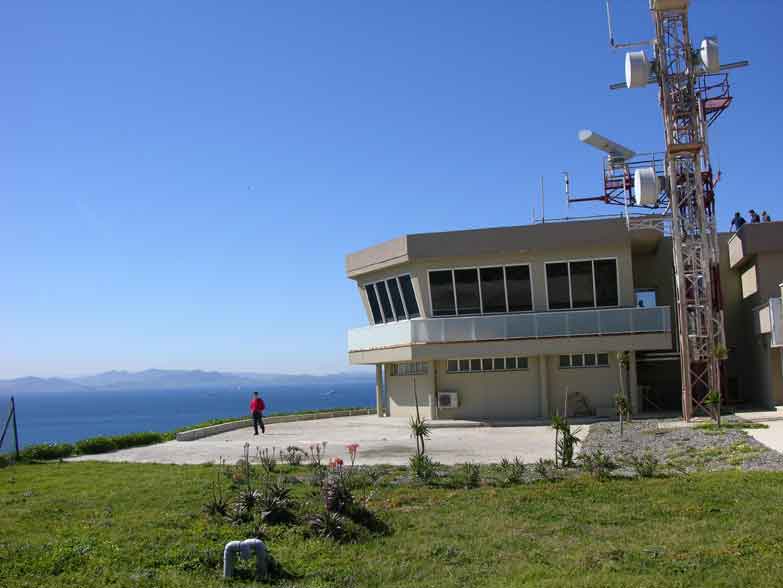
column 508, row 270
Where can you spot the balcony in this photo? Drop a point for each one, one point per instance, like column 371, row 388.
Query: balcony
column 540, row 325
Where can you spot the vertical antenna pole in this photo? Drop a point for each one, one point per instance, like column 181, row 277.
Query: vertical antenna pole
column 543, row 216
column 609, row 22
column 16, row 433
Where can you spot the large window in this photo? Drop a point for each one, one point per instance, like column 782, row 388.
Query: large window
column 493, row 290
column 485, row 290
column 606, row 282
column 377, row 317
column 467, row 288
column 557, row 286
column 392, row 300
column 582, row 284
column 409, row 296
column 520, row 292
column 487, row 364
column 442, row 293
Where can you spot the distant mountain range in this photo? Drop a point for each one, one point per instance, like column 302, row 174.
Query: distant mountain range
column 153, row 379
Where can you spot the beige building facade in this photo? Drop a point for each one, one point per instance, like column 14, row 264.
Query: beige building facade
column 516, row 323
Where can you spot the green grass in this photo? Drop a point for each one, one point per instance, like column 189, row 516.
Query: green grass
column 713, row 428
column 137, row 525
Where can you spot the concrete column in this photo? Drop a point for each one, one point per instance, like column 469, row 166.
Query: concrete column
column 379, row 389
column 543, row 386
column 633, row 384
column 434, row 405
column 386, row 401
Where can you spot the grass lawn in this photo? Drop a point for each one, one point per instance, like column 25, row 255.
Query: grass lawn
column 104, row 524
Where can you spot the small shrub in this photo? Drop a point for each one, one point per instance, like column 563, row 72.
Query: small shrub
column 137, row 439
column 5, row 461
column 337, row 497
column 544, row 468
column 317, row 453
column 330, row 525
column 294, row 455
column 565, row 441
column 275, row 502
column 468, row 475
column 267, row 459
column 47, row 451
column 423, row 468
column 513, row 472
column 598, row 464
column 645, row 466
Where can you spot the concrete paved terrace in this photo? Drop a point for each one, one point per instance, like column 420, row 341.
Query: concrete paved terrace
column 381, row 441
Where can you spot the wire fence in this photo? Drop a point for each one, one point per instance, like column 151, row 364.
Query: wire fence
column 9, row 434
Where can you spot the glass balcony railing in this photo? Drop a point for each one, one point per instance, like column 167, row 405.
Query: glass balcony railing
column 573, row 323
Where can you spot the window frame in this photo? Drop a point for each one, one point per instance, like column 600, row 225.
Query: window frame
column 584, row 365
column 453, row 291
column 592, row 261
column 374, row 284
column 519, row 361
column 478, row 269
column 416, row 297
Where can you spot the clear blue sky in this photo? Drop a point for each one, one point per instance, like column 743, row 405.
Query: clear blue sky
column 180, row 182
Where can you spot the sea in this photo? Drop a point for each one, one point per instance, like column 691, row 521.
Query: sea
column 67, row 417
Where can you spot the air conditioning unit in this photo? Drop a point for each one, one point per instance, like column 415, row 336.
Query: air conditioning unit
column 448, row 400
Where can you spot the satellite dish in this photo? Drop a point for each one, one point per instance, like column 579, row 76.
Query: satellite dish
column 608, row 146
column 709, row 55
column 637, row 69
column 645, row 187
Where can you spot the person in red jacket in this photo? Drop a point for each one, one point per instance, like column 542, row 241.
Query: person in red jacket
column 257, row 407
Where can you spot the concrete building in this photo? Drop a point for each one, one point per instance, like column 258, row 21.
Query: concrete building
column 514, row 323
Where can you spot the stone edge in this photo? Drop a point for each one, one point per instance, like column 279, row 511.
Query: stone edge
column 194, row 434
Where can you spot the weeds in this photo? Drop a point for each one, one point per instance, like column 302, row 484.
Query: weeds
column 423, row 468
column 513, row 472
column 645, row 466
column 598, row 464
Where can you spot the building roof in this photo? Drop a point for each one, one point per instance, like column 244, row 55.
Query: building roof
column 498, row 240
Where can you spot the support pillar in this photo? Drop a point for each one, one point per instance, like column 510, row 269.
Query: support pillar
column 633, row 384
column 379, row 389
column 543, row 386
column 386, row 401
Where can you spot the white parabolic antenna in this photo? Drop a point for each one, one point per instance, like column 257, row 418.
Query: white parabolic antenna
column 606, row 145
column 645, row 186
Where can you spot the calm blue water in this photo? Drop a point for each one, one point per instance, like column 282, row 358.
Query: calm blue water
column 54, row 418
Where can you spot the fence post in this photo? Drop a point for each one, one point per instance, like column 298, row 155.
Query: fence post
column 16, row 433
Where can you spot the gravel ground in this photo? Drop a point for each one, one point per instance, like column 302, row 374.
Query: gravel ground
column 681, row 448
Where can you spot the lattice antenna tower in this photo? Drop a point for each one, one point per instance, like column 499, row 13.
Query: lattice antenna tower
column 675, row 190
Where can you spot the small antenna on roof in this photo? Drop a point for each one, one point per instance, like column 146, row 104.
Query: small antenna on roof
column 543, row 218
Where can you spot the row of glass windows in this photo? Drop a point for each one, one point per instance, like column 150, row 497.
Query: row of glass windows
column 486, row 364
column 488, row 290
column 413, row 368
column 582, row 284
column 584, row 360
column 482, row 290
column 392, row 300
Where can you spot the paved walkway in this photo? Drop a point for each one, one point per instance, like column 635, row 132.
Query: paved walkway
column 771, row 437
column 381, row 441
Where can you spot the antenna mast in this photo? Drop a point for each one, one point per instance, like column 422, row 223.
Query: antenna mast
column 693, row 92
column 694, row 231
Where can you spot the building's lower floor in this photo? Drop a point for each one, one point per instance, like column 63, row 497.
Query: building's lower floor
column 508, row 387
